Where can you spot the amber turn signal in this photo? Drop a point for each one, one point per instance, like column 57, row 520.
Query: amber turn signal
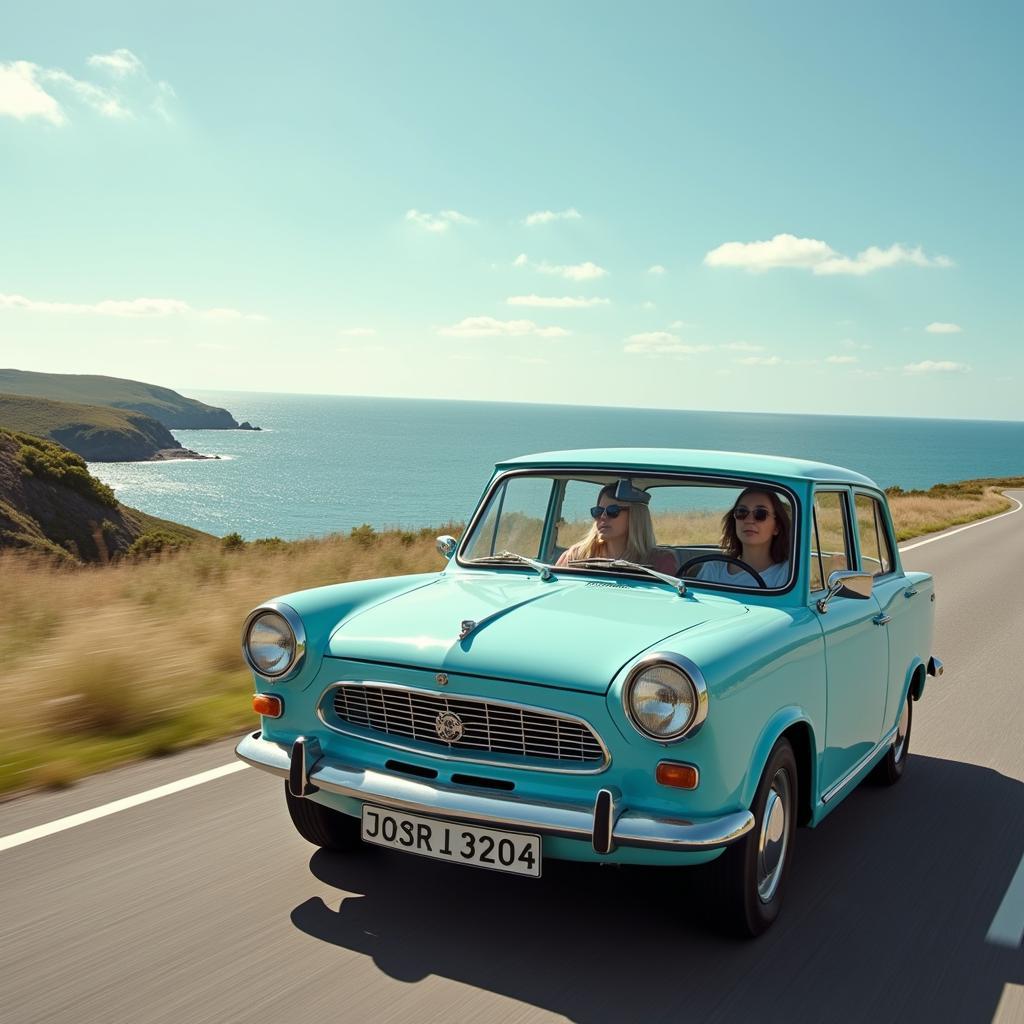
column 267, row 704
column 682, row 776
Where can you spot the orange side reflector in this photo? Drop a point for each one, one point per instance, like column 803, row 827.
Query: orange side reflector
column 682, row 776
column 267, row 704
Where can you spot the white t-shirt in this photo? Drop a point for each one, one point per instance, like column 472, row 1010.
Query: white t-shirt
column 776, row 575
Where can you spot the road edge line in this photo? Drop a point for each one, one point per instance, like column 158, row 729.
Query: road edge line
column 960, row 529
column 29, row 835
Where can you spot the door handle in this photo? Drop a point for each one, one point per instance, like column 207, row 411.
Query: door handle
column 882, row 619
column 912, row 592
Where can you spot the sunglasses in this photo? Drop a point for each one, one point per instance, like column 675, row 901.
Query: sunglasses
column 611, row 511
column 759, row 514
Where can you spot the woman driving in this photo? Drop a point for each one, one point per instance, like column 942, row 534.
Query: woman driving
column 756, row 530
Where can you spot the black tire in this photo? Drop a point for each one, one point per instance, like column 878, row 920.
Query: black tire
column 890, row 769
column 748, row 888
column 322, row 826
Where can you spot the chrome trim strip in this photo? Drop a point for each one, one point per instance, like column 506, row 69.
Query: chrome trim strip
column 425, row 750
column 691, row 671
column 573, row 821
column 885, row 741
column 291, row 616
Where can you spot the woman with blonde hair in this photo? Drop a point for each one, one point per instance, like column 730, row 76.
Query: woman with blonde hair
column 622, row 529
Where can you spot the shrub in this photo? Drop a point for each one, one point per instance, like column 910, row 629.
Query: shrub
column 364, row 535
column 153, row 542
column 48, row 461
column 232, row 542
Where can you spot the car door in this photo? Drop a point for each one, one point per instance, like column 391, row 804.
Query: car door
column 856, row 648
column 892, row 591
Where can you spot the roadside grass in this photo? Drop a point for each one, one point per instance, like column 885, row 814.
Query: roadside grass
column 106, row 664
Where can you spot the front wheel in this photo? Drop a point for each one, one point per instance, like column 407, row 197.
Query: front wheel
column 751, row 874
column 321, row 825
column 890, row 769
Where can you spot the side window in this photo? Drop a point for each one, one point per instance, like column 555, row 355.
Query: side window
column 514, row 520
column 830, row 541
column 875, row 555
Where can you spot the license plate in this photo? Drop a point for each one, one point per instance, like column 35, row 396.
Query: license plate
column 513, row 852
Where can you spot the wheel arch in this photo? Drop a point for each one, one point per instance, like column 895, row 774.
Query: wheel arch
column 793, row 724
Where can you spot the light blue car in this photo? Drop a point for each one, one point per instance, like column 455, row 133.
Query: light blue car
column 633, row 656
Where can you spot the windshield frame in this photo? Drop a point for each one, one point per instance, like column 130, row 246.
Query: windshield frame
column 680, row 476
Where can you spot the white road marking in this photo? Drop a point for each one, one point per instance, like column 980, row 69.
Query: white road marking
column 960, row 529
column 1007, row 928
column 73, row 820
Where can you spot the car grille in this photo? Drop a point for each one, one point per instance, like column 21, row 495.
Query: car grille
column 487, row 726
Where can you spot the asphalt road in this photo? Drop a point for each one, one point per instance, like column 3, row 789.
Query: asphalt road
column 206, row 906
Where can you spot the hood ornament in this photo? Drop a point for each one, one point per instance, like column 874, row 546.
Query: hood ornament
column 468, row 625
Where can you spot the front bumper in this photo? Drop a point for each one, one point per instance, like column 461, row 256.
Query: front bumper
column 606, row 824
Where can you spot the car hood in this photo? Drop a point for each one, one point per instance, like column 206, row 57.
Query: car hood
column 573, row 633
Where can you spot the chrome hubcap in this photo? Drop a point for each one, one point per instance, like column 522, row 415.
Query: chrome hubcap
column 774, row 837
column 900, row 743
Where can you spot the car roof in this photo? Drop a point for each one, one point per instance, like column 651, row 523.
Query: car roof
column 692, row 459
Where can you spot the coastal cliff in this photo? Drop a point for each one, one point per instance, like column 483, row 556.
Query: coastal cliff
column 167, row 407
column 97, row 433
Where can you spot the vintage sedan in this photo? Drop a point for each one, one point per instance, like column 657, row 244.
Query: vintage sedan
column 632, row 656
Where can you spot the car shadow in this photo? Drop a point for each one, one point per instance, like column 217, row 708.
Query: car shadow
column 886, row 917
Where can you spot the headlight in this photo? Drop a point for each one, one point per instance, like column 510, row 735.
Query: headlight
column 273, row 641
column 665, row 699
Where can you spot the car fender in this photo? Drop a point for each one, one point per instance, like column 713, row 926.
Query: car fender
column 779, row 722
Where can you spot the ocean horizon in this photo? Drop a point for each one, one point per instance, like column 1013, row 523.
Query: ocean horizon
column 326, row 463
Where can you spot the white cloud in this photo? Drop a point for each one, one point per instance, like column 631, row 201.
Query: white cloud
column 27, row 89
column 555, row 302
column 22, row 97
column 658, row 343
column 357, row 332
column 547, row 216
column 850, row 343
column 758, row 361
column 940, row 328
column 942, row 366
column 657, row 270
column 573, row 272
column 141, row 307
column 785, row 250
column 841, row 359
column 489, row 327
column 438, row 222
column 119, row 63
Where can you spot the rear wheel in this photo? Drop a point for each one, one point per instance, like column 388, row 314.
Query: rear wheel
column 890, row 769
column 750, row 876
column 321, row 825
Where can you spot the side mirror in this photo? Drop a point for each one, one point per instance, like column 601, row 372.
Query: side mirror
column 446, row 546
column 847, row 584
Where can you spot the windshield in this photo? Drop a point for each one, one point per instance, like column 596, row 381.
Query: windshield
column 737, row 534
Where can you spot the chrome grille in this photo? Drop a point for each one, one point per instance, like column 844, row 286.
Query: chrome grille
column 488, row 726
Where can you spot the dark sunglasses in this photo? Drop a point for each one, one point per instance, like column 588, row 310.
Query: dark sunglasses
column 759, row 514
column 611, row 511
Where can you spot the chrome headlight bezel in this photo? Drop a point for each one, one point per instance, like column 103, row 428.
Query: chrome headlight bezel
column 691, row 676
column 298, row 633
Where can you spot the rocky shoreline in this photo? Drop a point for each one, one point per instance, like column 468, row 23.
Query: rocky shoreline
column 170, row 454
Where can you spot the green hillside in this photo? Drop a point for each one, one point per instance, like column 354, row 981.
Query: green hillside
column 52, row 505
column 97, row 433
column 162, row 404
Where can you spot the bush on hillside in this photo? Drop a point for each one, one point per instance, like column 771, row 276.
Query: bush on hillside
column 45, row 460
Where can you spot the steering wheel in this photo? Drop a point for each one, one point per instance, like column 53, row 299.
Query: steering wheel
column 723, row 558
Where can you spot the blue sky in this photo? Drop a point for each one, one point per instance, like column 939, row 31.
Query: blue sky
column 776, row 207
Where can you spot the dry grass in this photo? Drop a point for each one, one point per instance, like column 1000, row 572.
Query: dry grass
column 107, row 664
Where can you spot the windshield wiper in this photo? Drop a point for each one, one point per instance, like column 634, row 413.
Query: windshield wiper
column 621, row 563
column 513, row 556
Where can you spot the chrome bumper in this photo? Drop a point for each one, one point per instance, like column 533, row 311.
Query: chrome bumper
column 606, row 823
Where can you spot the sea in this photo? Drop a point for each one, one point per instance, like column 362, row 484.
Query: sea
column 324, row 464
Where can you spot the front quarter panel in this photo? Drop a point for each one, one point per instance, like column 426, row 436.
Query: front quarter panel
column 763, row 675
